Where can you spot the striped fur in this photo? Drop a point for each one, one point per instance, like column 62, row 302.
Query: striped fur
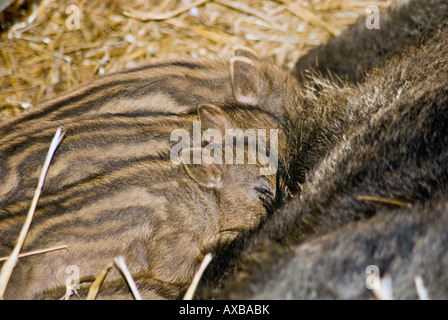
column 113, row 190
column 175, row 87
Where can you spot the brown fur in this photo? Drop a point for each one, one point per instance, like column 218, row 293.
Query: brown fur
column 112, row 189
column 385, row 137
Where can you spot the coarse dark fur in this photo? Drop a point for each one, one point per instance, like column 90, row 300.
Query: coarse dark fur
column 402, row 244
column 357, row 50
column 336, row 68
column 390, row 137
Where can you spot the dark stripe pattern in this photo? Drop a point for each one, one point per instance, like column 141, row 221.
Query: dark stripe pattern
column 112, row 189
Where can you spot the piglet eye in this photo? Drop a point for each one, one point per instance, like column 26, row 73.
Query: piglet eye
column 266, row 197
column 263, row 191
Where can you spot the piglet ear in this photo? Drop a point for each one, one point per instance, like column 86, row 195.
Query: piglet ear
column 204, row 171
column 245, row 52
column 246, row 80
column 213, row 117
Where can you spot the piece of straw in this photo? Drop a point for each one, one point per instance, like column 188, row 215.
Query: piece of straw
column 385, row 200
column 121, row 264
column 146, row 16
column 245, row 10
column 384, row 292
column 12, row 260
column 421, row 290
column 39, row 251
column 95, row 287
column 308, row 16
column 192, row 288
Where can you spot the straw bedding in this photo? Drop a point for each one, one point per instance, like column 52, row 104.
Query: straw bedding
column 40, row 55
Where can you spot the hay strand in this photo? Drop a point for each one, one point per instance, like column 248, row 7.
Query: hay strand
column 121, row 265
column 385, row 200
column 197, row 277
column 384, row 291
column 421, row 290
column 95, row 286
column 10, row 263
column 36, row 252
column 145, row 16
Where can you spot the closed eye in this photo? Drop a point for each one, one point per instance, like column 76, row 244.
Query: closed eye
column 263, row 191
column 266, row 196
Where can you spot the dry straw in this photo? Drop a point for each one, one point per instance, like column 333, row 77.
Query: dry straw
column 96, row 285
column 41, row 56
column 385, row 200
column 121, row 265
column 10, row 263
column 197, row 277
